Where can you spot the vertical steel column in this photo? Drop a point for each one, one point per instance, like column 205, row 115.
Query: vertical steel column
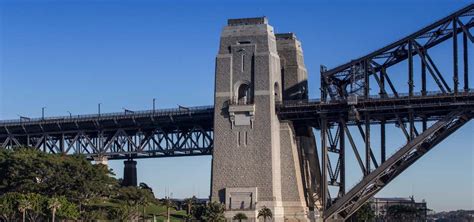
column 412, row 124
column 410, row 69
column 382, row 141
column 466, row 62
column 382, row 83
column 455, row 56
column 424, row 123
column 423, row 78
column 323, row 84
column 366, row 79
column 367, row 144
column 61, row 144
column 324, row 162
column 342, row 160
column 100, row 145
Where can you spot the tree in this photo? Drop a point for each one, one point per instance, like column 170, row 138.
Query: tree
column 265, row 213
column 198, row 211
column 23, row 205
column 36, row 185
column 365, row 213
column 214, row 212
column 130, row 199
column 240, row 217
column 189, row 202
column 32, row 171
column 38, row 204
column 121, row 213
column 54, row 204
column 402, row 213
column 74, row 177
column 67, row 209
column 8, row 206
column 168, row 204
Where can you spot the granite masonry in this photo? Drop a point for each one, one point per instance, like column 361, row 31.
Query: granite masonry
column 258, row 160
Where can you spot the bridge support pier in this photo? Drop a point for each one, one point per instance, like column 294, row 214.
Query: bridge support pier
column 130, row 173
column 256, row 158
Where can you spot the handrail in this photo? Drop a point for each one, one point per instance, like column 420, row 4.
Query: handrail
column 102, row 116
column 417, row 95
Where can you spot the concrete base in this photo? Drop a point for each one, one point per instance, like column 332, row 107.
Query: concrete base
column 130, row 173
column 101, row 160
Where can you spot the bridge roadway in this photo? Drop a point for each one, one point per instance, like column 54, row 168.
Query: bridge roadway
column 189, row 131
column 139, row 134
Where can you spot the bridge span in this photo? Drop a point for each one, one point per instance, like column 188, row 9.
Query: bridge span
column 140, row 134
column 273, row 146
column 188, row 131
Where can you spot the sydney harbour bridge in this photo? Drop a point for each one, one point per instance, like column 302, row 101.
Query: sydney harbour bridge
column 399, row 86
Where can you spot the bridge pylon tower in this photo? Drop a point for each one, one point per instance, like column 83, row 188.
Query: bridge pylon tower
column 256, row 161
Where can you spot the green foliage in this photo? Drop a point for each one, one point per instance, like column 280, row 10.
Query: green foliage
column 36, row 207
column 265, row 213
column 67, row 209
column 402, row 213
column 198, row 211
column 365, row 213
column 189, row 202
column 240, row 217
column 32, row 171
column 214, row 212
column 70, row 187
column 129, row 201
column 9, row 205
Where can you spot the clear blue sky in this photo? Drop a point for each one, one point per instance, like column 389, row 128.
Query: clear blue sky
column 71, row 55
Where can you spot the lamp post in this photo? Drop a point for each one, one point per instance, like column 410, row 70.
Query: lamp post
column 99, row 108
column 154, row 100
column 42, row 112
column 127, row 110
column 70, row 114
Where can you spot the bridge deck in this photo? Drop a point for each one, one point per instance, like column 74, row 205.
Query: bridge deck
column 432, row 106
column 165, row 118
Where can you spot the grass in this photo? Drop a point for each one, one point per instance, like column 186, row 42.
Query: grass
column 157, row 210
column 160, row 212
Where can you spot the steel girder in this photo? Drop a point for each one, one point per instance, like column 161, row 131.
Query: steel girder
column 119, row 143
column 141, row 134
column 346, row 204
column 353, row 78
column 347, row 99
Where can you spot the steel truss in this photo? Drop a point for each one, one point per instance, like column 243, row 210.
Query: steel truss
column 353, row 78
column 348, row 89
column 120, row 143
column 160, row 133
column 374, row 180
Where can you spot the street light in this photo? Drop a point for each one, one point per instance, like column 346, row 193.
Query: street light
column 154, row 100
column 42, row 112
column 99, row 108
column 70, row 114
column 23, row 118
column 127, row 111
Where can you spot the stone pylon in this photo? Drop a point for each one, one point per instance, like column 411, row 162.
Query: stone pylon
column 257, row 160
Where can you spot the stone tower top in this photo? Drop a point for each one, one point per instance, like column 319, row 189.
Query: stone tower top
column 288, row 35
column 247, row 21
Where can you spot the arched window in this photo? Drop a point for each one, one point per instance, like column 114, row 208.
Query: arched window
column 276, row 91
column 243, row 96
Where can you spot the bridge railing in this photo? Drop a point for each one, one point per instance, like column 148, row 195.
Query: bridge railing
column 383, row 97
column 142, row 113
